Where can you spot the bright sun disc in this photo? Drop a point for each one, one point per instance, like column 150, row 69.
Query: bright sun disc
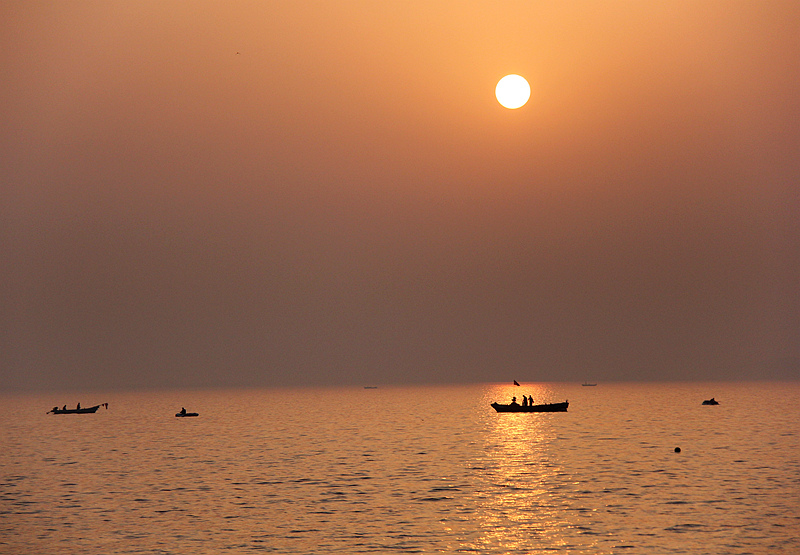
column 512, row 91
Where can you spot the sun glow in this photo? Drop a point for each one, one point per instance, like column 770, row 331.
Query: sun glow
column 512, row 91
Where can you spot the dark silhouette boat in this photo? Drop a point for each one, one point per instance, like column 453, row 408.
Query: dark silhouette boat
column 79, row 410
column 711, row 401
column 516, row 407
column 586, row 384
column 183, row 413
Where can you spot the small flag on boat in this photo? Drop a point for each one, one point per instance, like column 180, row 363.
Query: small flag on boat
column 516, row 382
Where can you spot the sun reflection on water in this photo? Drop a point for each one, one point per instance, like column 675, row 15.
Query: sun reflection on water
column 519, row 506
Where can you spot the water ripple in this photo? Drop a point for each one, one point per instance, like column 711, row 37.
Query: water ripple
column 599, row 479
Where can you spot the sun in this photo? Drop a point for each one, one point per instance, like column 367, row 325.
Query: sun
column 512, row 91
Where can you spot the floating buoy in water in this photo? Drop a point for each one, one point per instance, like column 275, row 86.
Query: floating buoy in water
column 677, row 449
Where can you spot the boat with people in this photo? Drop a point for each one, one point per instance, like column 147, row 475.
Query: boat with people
column 516, row 407
column 183, row 413
column 711, row 401
column 77, row 410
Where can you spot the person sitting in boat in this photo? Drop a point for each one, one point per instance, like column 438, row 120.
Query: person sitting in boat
column 79, row 406
column 514, row 401
column 65, row 407
column 183, row 410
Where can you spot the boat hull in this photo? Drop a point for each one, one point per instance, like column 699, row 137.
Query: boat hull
column 87, row 410
column 548, row 407
column 185, row 414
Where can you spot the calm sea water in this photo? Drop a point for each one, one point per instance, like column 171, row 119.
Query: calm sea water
column 405, row 470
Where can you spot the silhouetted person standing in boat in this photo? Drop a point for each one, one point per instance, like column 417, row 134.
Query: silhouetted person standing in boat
column 79, row 406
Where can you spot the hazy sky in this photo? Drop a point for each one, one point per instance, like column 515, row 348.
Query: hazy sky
column 304, row 193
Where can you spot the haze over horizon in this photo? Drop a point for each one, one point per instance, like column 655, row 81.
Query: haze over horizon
column 317, row 193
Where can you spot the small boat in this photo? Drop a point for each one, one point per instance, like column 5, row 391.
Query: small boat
column 183, row 413
column 516, row 407
column 711, row 401
column 588, row 384
column 79, row 410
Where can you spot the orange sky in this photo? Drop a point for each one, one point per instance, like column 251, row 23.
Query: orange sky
column 266, row 193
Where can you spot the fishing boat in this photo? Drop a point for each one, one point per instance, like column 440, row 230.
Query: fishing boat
column 585, row 384
column 183, row 413
column 711, row 401
column 78, row 410
column 516, row 407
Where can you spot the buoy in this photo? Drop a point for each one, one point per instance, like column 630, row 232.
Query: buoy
column 677, row 449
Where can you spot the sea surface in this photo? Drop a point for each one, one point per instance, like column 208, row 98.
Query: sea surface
column 405, row 470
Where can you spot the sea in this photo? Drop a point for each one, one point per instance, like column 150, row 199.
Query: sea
column 422, row 469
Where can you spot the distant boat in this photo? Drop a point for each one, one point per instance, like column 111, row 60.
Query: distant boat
column 585, row 384
column 183, row 413
column 370, row 387
column 547, row 407
column 85, row 410
column 711, row 401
